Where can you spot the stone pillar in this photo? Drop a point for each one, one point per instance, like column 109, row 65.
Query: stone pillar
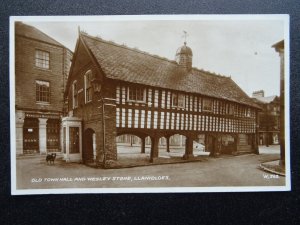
column 168, row 144
column 67, row 153
column 62, row 138
column 19, row 132
column 180, row 140
column 109, row 127
column 143, row 144
column 255, row 144
column 217, row 145
column 211, row 140
column 234, row 152
column 154, row 148
column 94, row 147
column 43, row 135
column 188, row 148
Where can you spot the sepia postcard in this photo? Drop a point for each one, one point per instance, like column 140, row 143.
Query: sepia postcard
column 148, row 103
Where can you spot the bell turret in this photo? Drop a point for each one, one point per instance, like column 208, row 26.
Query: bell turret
column 184, row 57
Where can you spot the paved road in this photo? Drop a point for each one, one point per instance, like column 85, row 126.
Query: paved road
column 271, row 149
column 34, row 173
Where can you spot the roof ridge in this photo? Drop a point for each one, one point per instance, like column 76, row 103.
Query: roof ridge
column 98, row 38
column 159, row 73
column 38, row 30
column 211, row 73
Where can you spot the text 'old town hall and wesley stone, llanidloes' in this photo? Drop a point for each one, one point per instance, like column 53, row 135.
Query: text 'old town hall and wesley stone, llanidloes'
column 113, row 90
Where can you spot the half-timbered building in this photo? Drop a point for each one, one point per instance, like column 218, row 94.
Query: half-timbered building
column 114, row 90
column 268, row 118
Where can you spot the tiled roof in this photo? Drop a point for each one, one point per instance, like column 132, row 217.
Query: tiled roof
column 119, row 62
column 33, row 33
column 266, row 99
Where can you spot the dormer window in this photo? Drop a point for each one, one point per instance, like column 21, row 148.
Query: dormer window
column 136, row 94
column 178, row 100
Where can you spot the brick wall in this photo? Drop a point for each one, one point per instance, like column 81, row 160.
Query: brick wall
column 26, row 73
column 91, row 112
column 110, row 119
column 91, row 115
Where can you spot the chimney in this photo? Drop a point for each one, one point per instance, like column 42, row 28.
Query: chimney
column 259, row 93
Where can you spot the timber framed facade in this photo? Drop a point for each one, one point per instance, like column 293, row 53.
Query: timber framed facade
column 115, row 90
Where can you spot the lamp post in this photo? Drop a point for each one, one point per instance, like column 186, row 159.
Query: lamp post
column 96, row 83
column 279, row 47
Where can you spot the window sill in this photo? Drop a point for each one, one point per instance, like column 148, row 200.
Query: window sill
column 43, row 103
column 177, row 107
column 43, row 69
column 133, row 101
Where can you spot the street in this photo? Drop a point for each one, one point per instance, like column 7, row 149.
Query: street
column 227, row 170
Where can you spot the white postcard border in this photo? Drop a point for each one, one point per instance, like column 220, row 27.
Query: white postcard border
column 13, row 19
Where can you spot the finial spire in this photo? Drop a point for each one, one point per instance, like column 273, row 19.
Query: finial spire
column 185, row 35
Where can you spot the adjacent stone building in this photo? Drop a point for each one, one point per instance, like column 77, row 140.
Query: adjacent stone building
column 268, row 118
column 115, row 90
column 41, row 71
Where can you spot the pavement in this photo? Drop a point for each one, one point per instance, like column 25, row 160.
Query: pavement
column 224, row 171
column 130, row 156
column 271, row 149
column 274, row 167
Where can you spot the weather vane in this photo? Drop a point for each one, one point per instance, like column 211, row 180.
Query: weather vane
column 185, row 35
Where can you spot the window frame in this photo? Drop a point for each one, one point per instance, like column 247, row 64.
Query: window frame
column 40, row 60
column 175, row 97
column 88, row 94
column 248, row 112
column 135, row 92
column 74, row 95
column 204, row 104
column 231, row 110
column 38, row 92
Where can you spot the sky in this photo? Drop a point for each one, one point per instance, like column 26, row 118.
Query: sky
column 240, row 47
